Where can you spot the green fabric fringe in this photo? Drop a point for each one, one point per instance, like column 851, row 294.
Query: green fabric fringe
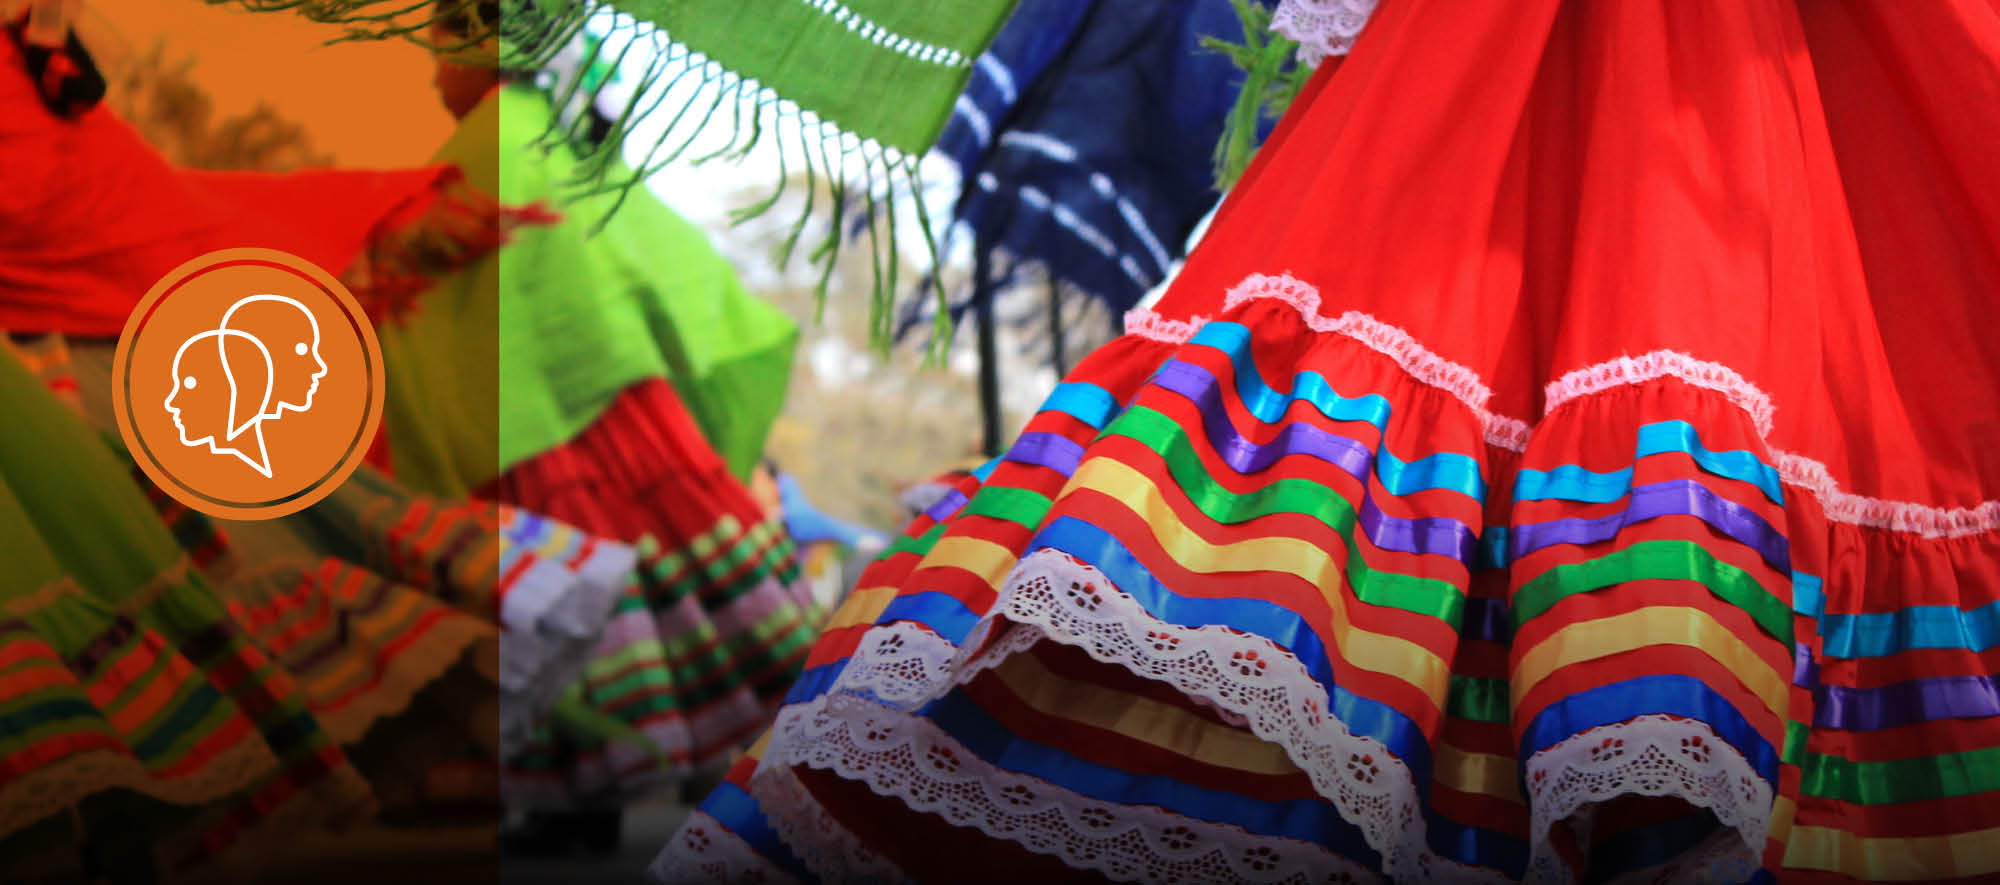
column 865, row 108
column 1271, row 82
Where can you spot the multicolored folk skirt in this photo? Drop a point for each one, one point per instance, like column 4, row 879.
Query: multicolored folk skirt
column 702, row 647
column 305, row 671
column 1567, row 456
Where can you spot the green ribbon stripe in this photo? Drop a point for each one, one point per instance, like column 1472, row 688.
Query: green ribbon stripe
column 1668, row 560
column 1293, row 495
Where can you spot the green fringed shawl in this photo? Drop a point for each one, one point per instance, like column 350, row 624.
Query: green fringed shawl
column 887, row 71
column 578, row 318
column 869, row 84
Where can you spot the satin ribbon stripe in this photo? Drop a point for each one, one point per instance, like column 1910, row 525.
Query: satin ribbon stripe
column 945, row 614
column 1350, row 631
column 1479, row 700
column 947, row 506
column 1088, row 403
column 1904, row 703
column 862, row 606
column 1664, row 560
column 1099, row 716
column 1501, row 845
column 1396, row 569
column 1905, row 820
column 1893, row 860
column 1664, row 527
column 1022, row 507
column 919, row 545
column 1940, row 738
column 1681, row 497
column 1672, row 695
column 1142, row 494
column 1584, row 642
column 1435, row 533
column 1312, row 820
column 988, row 561
column 1665, row 596
column 1300, row 449
column 1664, row 665
column 735, row 808
column 1386, row 723
column 1253, row 444
column 1917, row 627
column 1485, row 620
column 1455, row 470
column 1574, row 482
column 1496, row 776
column 1901, row 781
column 1905, row 666
column 1042, row 449
column 1913, row 627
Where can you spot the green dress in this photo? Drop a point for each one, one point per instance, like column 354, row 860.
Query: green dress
column 520, row 352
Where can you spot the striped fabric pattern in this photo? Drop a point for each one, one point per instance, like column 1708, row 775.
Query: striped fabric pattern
column 1495, row 639
column 697, row 652
column 225, row 687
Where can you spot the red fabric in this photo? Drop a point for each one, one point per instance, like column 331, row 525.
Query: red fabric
column 91, row 216
column 643, row 468
column 1678, row 202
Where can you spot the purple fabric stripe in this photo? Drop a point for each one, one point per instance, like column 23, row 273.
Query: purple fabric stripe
column 1486, row 619
column 1905, row 703
column 952, row 502
column 1050, row 450
column 1684, row 497
column 1439, row 535
column 1244, row 456
column 1805, row 670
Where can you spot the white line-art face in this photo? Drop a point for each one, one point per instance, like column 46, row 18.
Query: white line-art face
column 291, row 333
column 262, row 361
column 222, row 381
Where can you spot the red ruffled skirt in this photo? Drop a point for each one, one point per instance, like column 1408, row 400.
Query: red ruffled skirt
column 699, row 652
column 1567, row 455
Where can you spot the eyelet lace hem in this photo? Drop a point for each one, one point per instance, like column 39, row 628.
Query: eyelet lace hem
column 703, row 850
column 906, row 757
column 1247, row 675
column 1647, row 756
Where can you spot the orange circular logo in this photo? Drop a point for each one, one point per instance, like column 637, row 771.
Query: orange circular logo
column 248, row 383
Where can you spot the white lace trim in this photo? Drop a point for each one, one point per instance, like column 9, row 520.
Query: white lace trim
column 1663, row 364
column 906, row 757
column 831, row 851
column 703, row 850
column 901, row 666
column 1647, row 756
column 1321, row 27
column 1151, row 326
column 1248, row 675
column 1895, row 516
column 1420, row 362
column 1512, row 433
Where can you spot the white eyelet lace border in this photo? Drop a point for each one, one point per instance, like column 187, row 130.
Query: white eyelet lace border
column 1322, row 27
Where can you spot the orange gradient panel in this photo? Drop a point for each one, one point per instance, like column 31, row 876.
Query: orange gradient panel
column 248, row 383
column 368, row 104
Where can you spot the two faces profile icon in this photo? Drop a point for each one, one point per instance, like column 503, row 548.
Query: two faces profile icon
column 262, row 361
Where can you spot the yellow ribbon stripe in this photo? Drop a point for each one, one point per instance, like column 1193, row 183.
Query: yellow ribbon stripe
column 1391, row 656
